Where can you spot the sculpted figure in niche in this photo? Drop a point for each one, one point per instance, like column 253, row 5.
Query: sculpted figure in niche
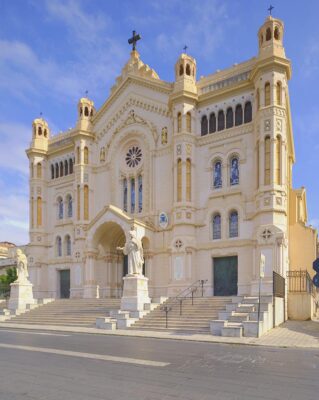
column 102, row 154
column 22, row 267
column 164, row 135
column 134, row 250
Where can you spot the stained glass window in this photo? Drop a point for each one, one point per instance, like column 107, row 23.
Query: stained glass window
column 234, row 171
column 70, row 206
column 233, row 224
column 133, row 156
column 132, row 195
column 59, row 246
column 125, row 194
column 217, row 175
column 140, row 193
column 68, row 245
column 216, row 226
column 60, row 208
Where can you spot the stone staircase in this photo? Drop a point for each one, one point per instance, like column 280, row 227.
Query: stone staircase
column 195, row 318
column 240, row 317
column 67, row 312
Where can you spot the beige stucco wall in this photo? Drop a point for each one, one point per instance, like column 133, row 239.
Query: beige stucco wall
column 301, row 306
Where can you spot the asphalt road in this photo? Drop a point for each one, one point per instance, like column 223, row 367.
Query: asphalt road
column 51, row 366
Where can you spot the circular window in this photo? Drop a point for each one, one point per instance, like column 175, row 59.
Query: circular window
column 133, row 156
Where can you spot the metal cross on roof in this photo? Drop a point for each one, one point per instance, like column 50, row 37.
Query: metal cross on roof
column 270, row 9
column 133, row 40
column 86, row 93
column 185, row 48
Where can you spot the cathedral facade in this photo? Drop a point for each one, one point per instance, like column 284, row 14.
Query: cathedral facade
column 200, row 169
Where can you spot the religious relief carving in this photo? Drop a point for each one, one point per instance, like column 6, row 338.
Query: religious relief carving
column 178, row 244
column 189, row 149
column 188, row 215
column 267, row 201
column 278, row 124
column 179, row 149
column 102, row 154
column 164, row 135
column 267, row 125
column 279, row 201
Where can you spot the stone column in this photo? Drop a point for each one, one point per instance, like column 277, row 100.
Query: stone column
column 91, row 289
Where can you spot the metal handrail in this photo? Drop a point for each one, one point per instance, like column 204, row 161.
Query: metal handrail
column 183, row 295
column 300, row 281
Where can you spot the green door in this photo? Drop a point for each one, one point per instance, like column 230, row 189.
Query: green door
column 65, row 284
column 225, row 276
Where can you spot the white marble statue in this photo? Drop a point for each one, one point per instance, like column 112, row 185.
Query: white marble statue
column 134, row 250
column 22, row 267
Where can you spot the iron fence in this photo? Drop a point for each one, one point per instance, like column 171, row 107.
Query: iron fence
column 301, row 282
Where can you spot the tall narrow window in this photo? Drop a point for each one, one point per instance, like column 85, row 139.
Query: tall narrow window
column 66, row 167
column 78, row 155
column 52, row 171
column 59, row 246
column 234, row 171
column 248, row 112
column 257, row 161
column 188, row 122
column 39, row 170
column 276, row 33
column 56, row 170
column 179, row 180
column 204, row 126
column 278, row 93
column 238, row 115
column 60, row 208
column 32, row 212
column 61, row 168
column 267, row 160
column 221, row 120
column 71, row 166
column 86, row 202
column 217, row 231
column 86, row 155
column 78, row 201
column 179, row 122
column 32, row 170
column 140, row 193
column 188, row 180
column 212, row 123
column 217, row 175
column 258, row 99
column 181, row 70
column 39, row 211
column 125, row 194
column 69, row 206
column 268, row 34
column 278, row 161
column 68, row 245
column 267, row 94
column 188, row 69
column 132, row 195
column 229, row 118
column 233, row 224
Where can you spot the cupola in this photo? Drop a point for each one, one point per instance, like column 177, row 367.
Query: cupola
column 185, row 74
column 270, row 37
column 40, row 134
column 86, row 111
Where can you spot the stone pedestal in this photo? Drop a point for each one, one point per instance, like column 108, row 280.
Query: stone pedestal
column 20, row 295
column 135, row 293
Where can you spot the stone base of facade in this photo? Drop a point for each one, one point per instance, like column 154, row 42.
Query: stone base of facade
column 91, row 292
column 21, row 294
column 135, row 293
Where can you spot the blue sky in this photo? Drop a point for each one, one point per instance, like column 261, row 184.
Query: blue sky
column 52, row 51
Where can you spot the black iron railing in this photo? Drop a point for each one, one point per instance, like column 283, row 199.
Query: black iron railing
column 196, row 289
column 301, row 282
column 278, row 285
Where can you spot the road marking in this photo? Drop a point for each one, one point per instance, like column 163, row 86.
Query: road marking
column 33, row 333
column 86, row 355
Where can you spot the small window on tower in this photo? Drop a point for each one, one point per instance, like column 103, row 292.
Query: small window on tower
column 188, row 69
column 268, row 34
column 86, row 112
column 181, row 70
column 276, row 33
column 40, row 131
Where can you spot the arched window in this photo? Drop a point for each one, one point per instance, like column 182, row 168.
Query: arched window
column 268, row 34
column 188, row 122
column 78, row 155
column 81, row 111
column 69, row 203
column 52, row 171
column 60, row 208
column 132, row 195
column 248, row 112
column 217, row 175
column 188, row 180
column 78, row 201
column 257, row 161
column 125, row 194
column 278, row 161
column 86, row 202
column 86, row 155
column 278, row 93
column 32, row 169
column 56, row 170
column 68, row 248
column 234, row 171
column 86, row 111
column 71, row 166
column 221, row 120
column 217, row 229
column 229, row 118
column 267, row 160
column 59, row 246
column 40, row 131
column 188, row 69
column 276, row 33
column 181, row 70
column 267, row 94
column 66, row 167
column 32, row 212
column 204, row 126
column 45, row 133
column 179, row 122
column 39, row 211
column 258, row 99
column 140, row 193
column 238, row 115
column 39, row 170
column 212, row 123
column 233, row 224
column 61, row 168
column 91, row 113
column 179, row 180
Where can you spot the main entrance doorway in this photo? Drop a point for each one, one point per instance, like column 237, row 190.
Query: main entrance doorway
column 64, row 283
column 225, row 274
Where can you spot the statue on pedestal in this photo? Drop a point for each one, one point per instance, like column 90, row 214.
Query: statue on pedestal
column 22, row 267
column 134, row 250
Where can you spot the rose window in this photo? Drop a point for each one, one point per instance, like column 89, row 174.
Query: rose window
column 133, row 156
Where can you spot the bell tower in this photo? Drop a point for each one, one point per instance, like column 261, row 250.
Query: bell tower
column 86, row 112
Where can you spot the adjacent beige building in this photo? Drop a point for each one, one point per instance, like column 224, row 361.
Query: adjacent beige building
column 202, row 169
